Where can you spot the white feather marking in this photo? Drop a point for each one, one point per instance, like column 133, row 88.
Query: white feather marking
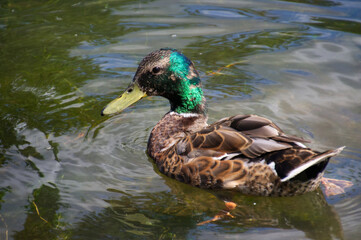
column 250, row 164
column 185, row 114
column 230, row 185
column 272, row 165
column 300, row 144
column 303, row 167
column 226, row 156
column 231, row 155
column 220, row 157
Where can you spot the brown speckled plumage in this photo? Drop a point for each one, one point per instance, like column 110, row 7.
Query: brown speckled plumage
column 218, row 156
column 245, row 153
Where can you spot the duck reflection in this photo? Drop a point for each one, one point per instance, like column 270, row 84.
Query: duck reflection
column 309, row 213
column 174, row 214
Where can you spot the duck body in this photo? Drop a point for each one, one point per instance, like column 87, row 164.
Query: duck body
column 244, row 153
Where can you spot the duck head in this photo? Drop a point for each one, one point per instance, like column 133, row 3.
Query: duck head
column 167, row 73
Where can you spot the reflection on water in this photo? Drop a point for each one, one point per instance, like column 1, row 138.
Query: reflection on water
column 68, row 173
column 175, row 215
column 45, row 200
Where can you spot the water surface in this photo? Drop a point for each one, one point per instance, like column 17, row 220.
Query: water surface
column 68, row 173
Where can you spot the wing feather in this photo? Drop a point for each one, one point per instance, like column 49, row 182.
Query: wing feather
column 249, row 135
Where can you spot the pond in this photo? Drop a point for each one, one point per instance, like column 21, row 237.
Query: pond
column 68, row 173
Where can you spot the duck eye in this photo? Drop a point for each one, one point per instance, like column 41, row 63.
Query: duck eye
column 156, row 70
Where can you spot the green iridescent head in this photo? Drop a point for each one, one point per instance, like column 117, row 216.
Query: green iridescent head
column 167, row 73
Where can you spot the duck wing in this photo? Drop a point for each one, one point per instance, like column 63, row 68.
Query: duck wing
column 242, row 136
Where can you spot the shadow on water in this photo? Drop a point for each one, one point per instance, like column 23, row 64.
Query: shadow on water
column 175, row 214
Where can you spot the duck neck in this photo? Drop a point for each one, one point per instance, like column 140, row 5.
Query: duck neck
column 172, row 127
column 190, row 100
column 186, row 95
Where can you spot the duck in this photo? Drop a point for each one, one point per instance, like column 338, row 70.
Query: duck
column 244, row 153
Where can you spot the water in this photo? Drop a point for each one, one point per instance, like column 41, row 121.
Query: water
column 68, row 173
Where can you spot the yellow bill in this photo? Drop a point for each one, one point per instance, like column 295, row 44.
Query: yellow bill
column 130, row 96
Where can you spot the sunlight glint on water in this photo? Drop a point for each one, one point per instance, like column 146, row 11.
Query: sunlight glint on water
column 67, row 172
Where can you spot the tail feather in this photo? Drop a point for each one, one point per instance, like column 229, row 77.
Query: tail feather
column 314, row 166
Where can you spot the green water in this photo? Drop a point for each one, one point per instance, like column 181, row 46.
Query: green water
column 68, row 173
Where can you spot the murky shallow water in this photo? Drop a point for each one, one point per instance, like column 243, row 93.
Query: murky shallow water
column 68, row 173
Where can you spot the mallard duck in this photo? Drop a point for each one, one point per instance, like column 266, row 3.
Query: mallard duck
column 245, row 153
